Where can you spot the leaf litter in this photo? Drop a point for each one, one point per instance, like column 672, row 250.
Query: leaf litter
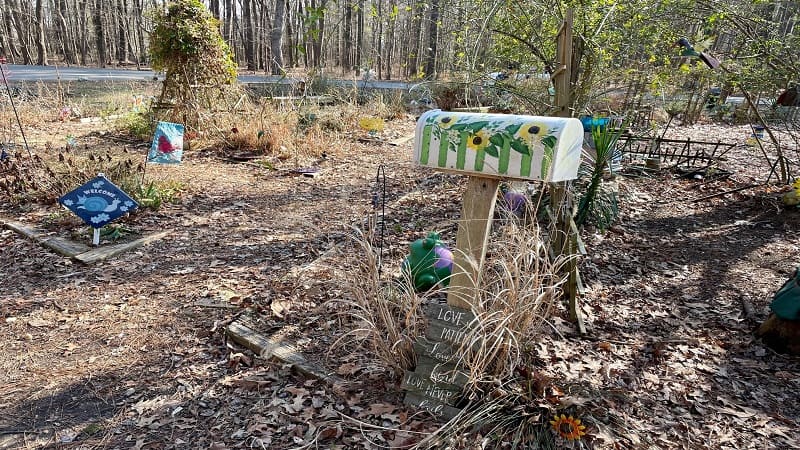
column 670, row 361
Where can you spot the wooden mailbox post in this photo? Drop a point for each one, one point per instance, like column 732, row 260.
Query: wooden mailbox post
column 488, row 148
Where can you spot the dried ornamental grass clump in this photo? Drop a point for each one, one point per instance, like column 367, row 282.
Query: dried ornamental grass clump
column 519, row 288
column 385, row 317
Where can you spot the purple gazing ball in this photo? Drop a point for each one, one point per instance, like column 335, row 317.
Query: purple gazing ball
column 444, row 258
column 515, row 201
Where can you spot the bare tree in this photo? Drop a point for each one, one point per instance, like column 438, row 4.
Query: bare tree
column 249, row 34
column 41, row 48
column 276, row 38
column 433, row 40
column 100, row 38
column 21, row 26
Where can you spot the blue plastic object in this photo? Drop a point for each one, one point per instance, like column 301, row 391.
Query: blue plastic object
column 589, row 122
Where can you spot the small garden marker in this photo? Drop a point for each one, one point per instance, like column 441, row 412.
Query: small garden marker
column 488, row 148
column 98, row 202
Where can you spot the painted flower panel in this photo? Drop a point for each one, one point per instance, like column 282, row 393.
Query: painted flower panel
column 498, row 145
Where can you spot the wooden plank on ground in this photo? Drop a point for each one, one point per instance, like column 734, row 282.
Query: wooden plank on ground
column 242, row 332
column 65, row 247
column 103, row 253
column 23, row 230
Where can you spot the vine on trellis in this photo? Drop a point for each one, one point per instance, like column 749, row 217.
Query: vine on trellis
column 200, row 72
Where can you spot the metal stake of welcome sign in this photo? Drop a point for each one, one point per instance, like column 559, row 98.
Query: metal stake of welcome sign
column 488, row 148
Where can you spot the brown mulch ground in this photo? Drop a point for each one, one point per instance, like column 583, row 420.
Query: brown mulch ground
column 131, row 353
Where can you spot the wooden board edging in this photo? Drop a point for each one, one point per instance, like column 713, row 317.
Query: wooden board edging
column 271, row 347
column 103, row 253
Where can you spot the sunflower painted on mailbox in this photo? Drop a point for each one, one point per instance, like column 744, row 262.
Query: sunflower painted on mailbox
column 500, row 145
column 98, row 202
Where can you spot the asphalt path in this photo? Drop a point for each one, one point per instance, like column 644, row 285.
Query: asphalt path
column 15, row 73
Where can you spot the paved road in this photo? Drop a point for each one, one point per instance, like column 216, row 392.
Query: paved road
column 52, row 73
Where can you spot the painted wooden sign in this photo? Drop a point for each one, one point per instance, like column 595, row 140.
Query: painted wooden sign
column 98, row 202
column 500, row 145
column 437, row 382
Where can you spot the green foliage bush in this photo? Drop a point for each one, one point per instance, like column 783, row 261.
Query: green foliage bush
column 199, row 67
column 137, row 124
column 186, row 39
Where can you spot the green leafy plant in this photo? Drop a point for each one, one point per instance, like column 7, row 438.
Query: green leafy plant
column 605, row 139
column 152, row 195
column 137, row 124
column 115, row 231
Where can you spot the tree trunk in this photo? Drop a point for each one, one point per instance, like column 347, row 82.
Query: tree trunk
column 100, row 38
column 41, row 44
column 22, row 33
column 249, row 34
column 390, row 38
column 140, row 31
column 276, row 38
column 290, row 36
column 302, row 32
column 359, row 36
column 378, row 40
column 318, row 58
column 122, row 30
column 214, row 8
column 67, row 43
column 84, row 33
column 13, row 53
column 345, row 55
column 433, row 38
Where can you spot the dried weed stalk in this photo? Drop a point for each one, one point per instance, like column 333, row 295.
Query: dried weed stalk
column 385, row 316
column 24, row 179
column 519, row 287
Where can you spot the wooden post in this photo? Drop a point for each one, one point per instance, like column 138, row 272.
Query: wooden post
column 562, row 238
column 473, row 235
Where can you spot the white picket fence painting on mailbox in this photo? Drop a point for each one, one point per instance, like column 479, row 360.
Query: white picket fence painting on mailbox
column 500, row 145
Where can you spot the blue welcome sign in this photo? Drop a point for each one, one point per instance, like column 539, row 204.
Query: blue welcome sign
column 98, row 202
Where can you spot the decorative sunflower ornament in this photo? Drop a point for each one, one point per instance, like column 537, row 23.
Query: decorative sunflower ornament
column 446, row 121
column 532, row 130
column 568, row 428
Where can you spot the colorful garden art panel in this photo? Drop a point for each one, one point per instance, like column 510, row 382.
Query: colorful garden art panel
column 167, row 147
column 500, row 145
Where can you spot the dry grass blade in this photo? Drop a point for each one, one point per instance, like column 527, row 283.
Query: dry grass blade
column 518, row 291
column 385, row 316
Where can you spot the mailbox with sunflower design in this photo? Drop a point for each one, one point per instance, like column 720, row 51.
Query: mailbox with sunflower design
column 500, row 145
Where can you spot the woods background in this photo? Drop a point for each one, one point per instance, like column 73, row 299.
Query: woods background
column 410, row 39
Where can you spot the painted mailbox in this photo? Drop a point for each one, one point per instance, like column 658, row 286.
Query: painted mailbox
column 500, row 145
